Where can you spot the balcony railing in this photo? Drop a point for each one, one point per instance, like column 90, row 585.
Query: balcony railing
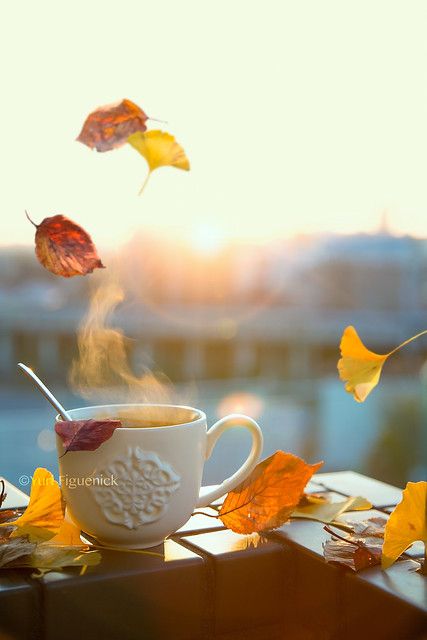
column 215, row 584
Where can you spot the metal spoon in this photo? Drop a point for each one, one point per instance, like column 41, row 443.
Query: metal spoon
column 45, row 391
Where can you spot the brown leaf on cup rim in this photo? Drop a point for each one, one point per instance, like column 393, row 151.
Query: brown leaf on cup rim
column 85, row 435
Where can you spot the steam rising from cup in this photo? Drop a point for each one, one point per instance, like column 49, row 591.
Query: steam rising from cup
column 102, row 371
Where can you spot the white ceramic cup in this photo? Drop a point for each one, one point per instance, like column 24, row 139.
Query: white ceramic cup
column 143, row 483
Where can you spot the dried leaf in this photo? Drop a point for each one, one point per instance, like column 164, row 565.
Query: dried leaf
column 43, row 517
column 268, row 496
column 13, row 549
column 85, row 435
column 406, row 524
column 366, row 553
column 329, row 511
column 109, row 127
column 372, row 528
column 3, row 493
column 358, row 367
column 359, row 549
column 8, row 515
column 160, row 149
column 64, row 248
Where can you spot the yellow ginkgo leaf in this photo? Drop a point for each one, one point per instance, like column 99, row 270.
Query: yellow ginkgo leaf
column 326, row 511
column 51, row 557
column 43, row 517
column 358, row 367
column 406, row 524
column 160, row 149
column 68, row 534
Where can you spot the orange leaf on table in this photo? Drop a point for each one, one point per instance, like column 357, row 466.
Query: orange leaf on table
column 358, row 367
column 406, row 524
column 64, row 248
column 109, row 127
column 268, row 496
column 44, row 514
column 160, row 149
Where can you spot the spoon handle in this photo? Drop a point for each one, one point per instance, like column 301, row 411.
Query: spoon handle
column 45, row 391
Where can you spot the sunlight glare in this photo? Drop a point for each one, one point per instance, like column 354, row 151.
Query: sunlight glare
column 207, row 239
column 241, row 402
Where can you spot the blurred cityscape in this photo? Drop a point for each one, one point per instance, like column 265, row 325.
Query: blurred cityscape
column 237, row 327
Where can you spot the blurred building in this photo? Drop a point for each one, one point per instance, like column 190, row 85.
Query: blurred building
column 257, row 327
column 274, row 310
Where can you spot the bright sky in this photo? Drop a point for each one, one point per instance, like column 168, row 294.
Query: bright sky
column 296, row 116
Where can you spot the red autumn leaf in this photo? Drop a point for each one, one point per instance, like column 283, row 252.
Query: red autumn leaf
column 64, row 248
column 267, row 497
column 85, row 435
column 109, row 127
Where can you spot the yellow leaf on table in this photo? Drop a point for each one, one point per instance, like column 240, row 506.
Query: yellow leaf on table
column 269, row 494
column 68, row 534
column 52, row 557
column 160, row 149
column 44, row 514
column 406, row 524
column 329, row 511
column 358, row 367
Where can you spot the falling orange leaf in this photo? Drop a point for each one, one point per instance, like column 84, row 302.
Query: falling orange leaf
column 109, row 127
column 44, row 514
column 268, row 496
column 160, row 149
column 406, row 524
column 64, row 248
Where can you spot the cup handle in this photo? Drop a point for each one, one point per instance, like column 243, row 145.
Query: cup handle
column 234, row 420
